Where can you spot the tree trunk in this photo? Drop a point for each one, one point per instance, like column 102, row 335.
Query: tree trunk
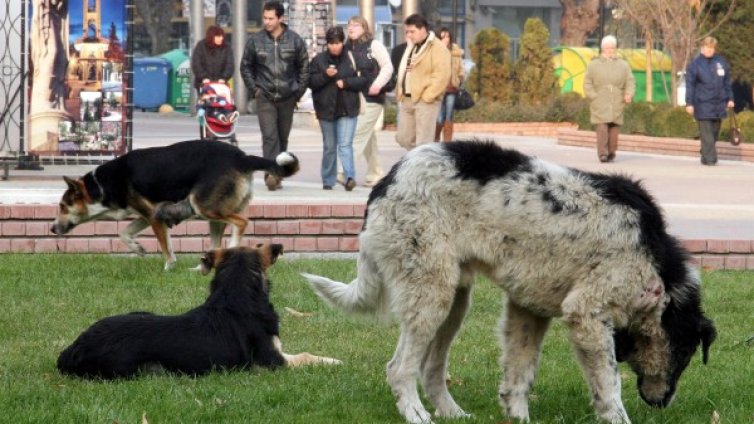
column 648, row 65
column 157, row 16
column 580, row 18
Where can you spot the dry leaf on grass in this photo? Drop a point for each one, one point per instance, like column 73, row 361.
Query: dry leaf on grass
column 297, row 314
column 715, row 418
column 144, row 419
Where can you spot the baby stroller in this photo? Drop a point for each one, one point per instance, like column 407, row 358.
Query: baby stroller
column 216, row 113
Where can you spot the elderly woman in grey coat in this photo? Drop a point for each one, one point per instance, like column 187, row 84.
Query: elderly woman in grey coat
column 609, row 84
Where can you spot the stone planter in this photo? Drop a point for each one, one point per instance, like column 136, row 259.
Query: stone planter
column 532, row 129
column 658, row 145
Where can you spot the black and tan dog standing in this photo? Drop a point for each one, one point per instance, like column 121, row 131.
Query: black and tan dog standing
column 236, row 328
column 162, row 186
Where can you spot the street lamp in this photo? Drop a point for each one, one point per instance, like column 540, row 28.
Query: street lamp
column 601, row 30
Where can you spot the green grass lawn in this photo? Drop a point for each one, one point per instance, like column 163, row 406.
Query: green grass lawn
column 47, row 300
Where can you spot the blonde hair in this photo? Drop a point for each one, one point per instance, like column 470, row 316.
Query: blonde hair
column 708, row 42
column 367, row 35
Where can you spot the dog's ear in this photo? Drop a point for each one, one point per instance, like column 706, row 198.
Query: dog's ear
column 275, row 251
column 210, row 260
column 70, row 182
column 268, row 254
column 708, row 334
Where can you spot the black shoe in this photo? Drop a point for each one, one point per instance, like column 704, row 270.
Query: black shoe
column 611, row 157
column 326, row 187
column 350, row 184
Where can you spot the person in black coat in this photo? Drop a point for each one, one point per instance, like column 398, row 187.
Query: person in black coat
column 335, row 88
column 708, row 94
column 212, row 58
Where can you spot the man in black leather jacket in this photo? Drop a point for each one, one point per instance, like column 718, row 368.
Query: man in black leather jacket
column 275, row 69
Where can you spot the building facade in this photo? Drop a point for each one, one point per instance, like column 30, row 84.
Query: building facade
column 464, row 17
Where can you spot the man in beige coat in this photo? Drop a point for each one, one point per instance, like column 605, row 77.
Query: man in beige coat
column 423, row 75
column 609, row 84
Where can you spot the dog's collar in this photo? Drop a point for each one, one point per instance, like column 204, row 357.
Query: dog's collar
column 93, row 188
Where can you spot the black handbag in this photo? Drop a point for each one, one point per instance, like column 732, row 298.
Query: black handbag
column 735, row 131
column 463, row 100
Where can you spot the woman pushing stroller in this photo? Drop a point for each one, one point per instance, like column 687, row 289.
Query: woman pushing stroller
column 212, row 66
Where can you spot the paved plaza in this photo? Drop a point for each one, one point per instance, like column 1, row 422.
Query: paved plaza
column 699, row 202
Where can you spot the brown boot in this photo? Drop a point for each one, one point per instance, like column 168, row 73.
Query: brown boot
column 447, row 132
column 438, row 131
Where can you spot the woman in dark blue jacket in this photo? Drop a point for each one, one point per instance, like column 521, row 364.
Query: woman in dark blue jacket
column 708, row 94
column 335, row 88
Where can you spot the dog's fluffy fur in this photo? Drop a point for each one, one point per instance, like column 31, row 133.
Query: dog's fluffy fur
column 591, row 249
column 162, row 186
column 235, row 328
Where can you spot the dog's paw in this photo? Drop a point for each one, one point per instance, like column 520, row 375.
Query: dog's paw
column 458, row 413
column 329, row 361
column 416, row 415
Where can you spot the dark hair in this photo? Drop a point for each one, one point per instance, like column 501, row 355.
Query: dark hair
column 450, row 34
column 417, row 20
column 212, row 32
column 335, row 35
column 276, row 6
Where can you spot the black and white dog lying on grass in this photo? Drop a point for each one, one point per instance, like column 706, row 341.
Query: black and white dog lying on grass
column 235, row 328
column 588, row 248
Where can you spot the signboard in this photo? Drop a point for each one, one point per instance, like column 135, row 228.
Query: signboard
column 78, row 59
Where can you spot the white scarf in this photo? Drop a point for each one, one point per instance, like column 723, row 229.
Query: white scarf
column 416, row 57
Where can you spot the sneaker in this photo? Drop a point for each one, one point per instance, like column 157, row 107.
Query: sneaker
column 370, row 183
column 350, row 184
column 603, row 159
column 326, row 187
column 341, row 179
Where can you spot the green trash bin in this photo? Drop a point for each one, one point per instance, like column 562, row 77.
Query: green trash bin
column 179, row 79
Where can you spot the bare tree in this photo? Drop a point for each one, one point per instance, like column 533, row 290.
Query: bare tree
column 157, row 16
column 580, row 18
column 680, row 23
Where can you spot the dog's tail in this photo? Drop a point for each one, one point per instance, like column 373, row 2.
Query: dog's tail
column 284, row 165
column 365, row 295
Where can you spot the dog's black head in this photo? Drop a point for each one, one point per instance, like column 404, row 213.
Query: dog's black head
column 661, row 349
column 260, row 258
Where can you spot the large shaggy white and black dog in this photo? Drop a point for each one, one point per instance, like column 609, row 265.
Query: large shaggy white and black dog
column 591, row 249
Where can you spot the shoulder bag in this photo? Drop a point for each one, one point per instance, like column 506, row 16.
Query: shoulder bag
column 735, row 131
column 463, row 100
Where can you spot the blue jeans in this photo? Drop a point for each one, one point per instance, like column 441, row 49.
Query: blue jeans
column 337, row 138
column 447, row 108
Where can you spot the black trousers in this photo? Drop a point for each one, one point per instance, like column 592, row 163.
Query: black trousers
column 709, row 130
column 275, row 122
